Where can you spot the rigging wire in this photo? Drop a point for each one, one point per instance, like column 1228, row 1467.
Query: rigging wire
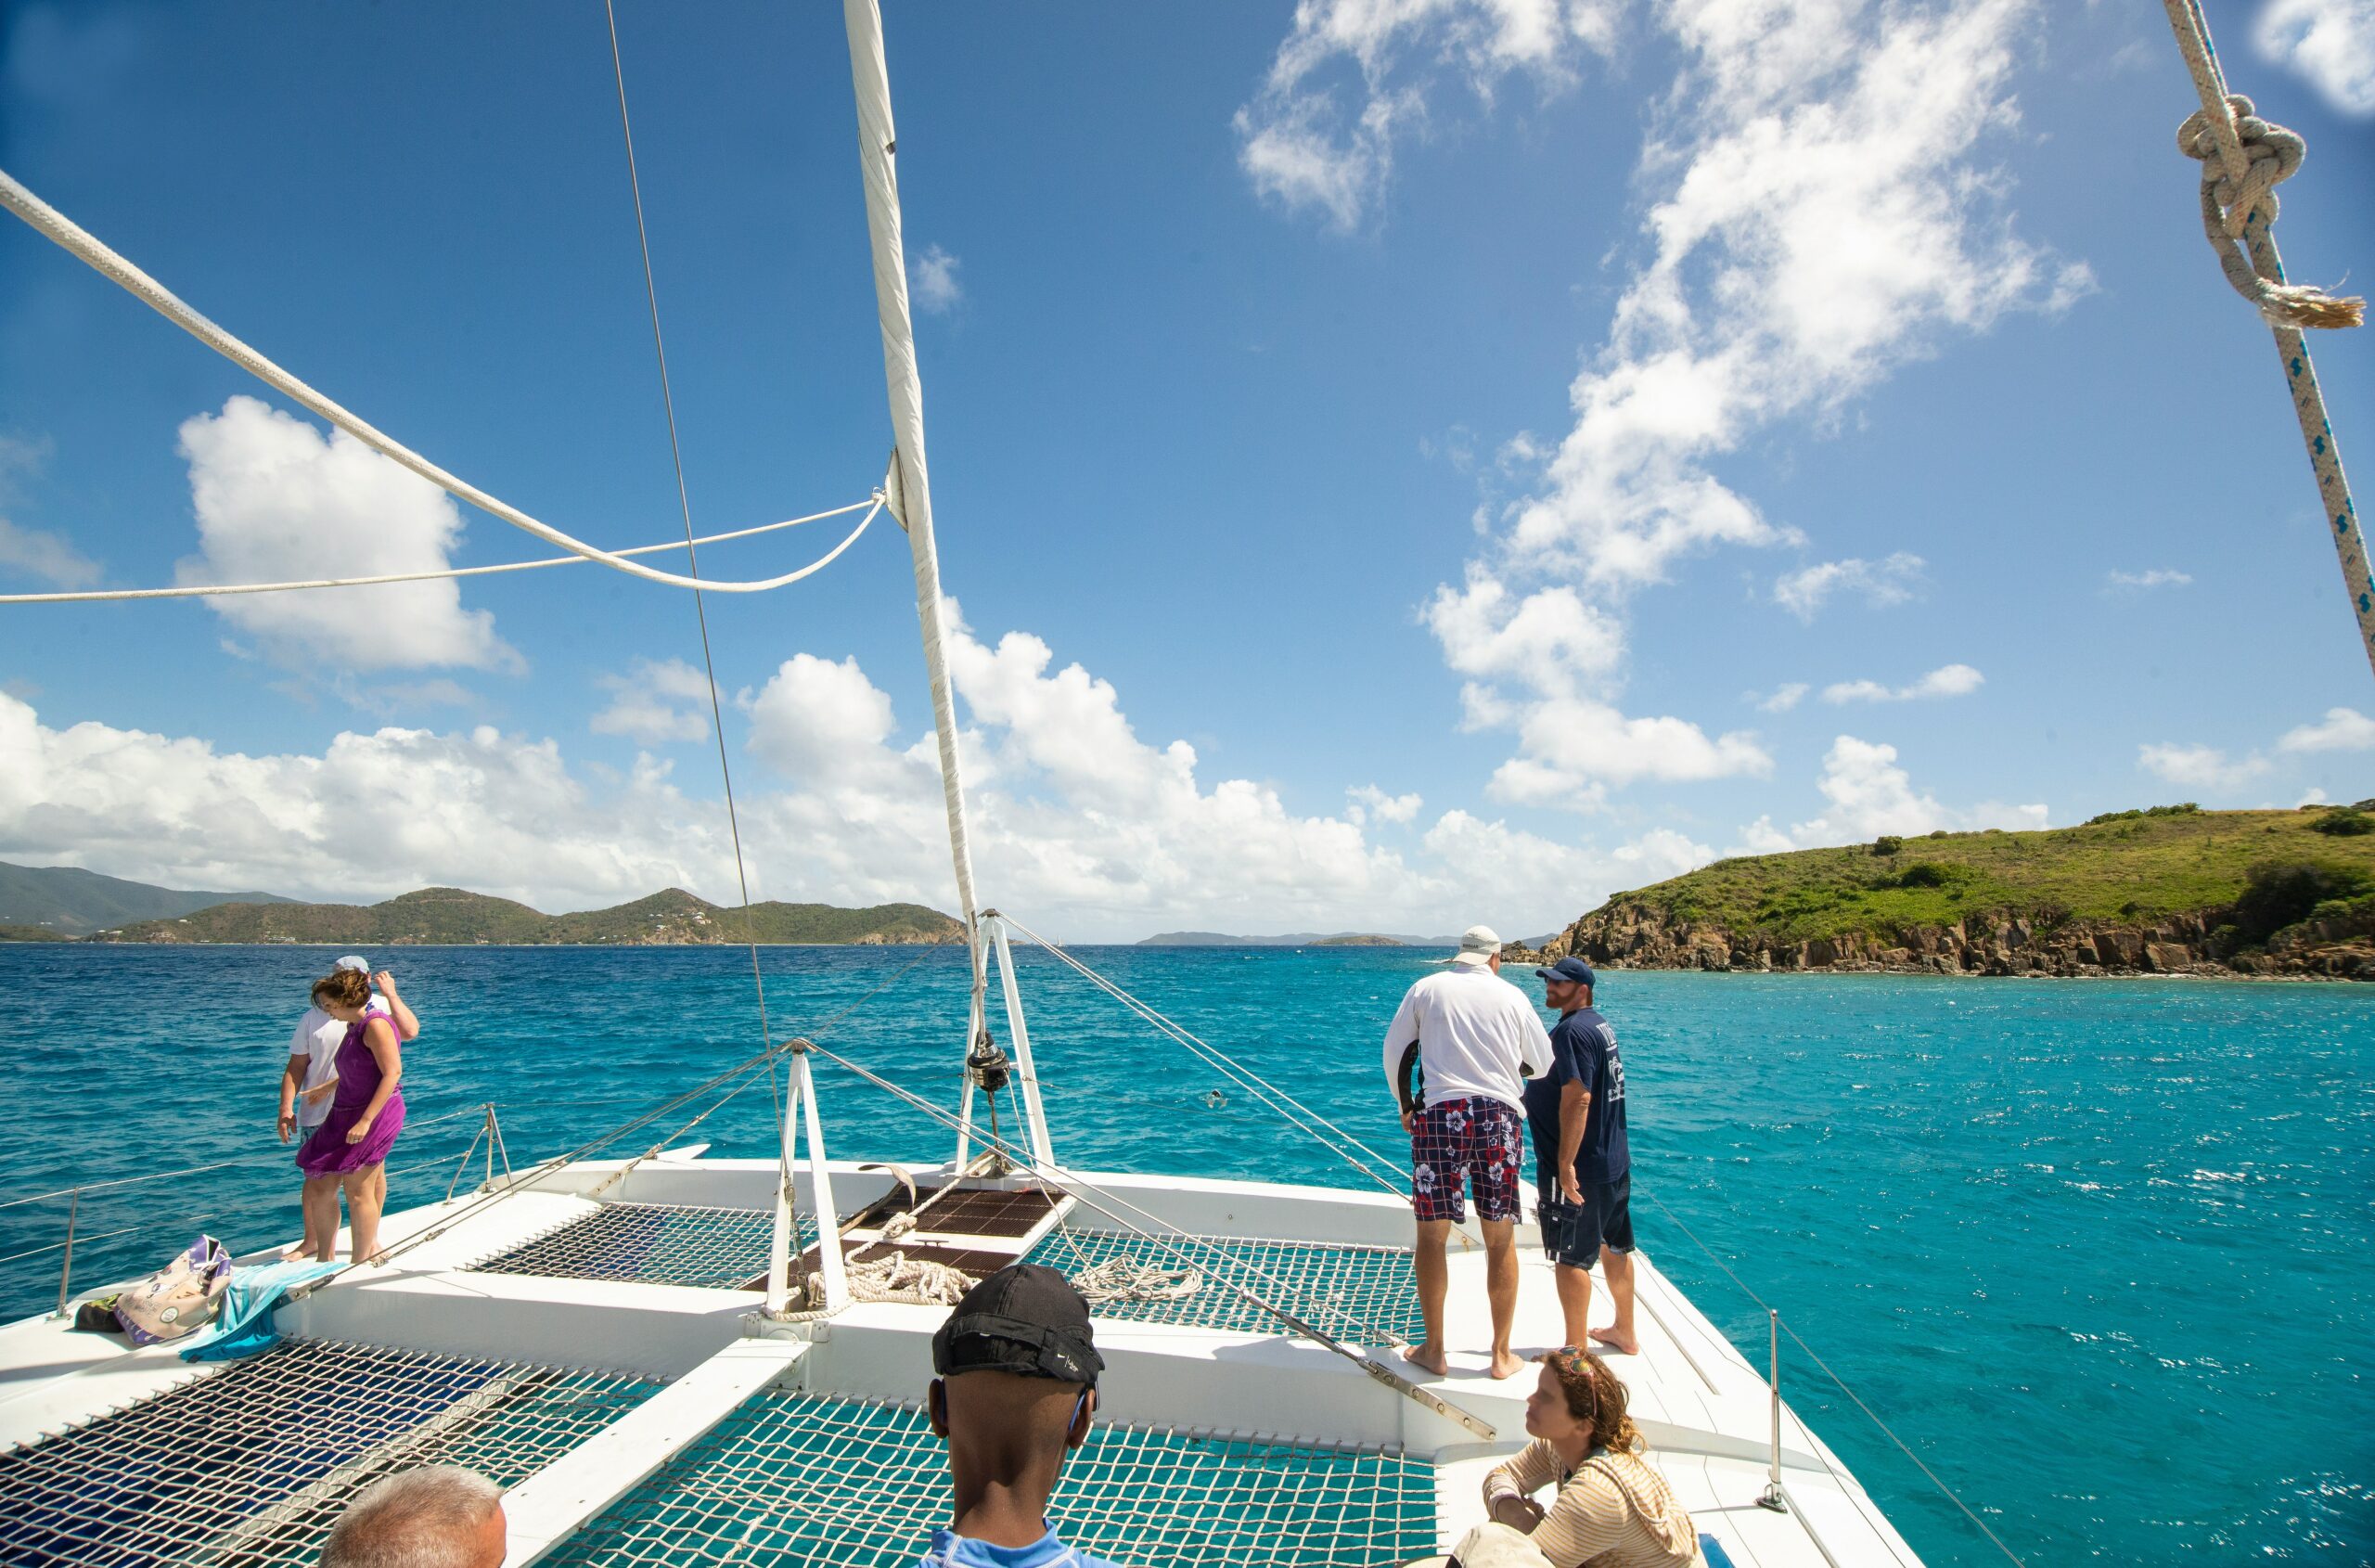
column 693, row 564
column 1869, row 1413
column 204, row 590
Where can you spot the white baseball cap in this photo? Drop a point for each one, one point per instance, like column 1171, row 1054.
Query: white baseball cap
column 355, row 962
column 1478, row 945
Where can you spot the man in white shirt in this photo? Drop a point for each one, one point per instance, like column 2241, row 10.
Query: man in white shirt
column 308, row 1080
column 1475, row 1039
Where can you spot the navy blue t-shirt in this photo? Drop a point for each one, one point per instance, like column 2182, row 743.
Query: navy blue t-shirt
column 1582, row 1050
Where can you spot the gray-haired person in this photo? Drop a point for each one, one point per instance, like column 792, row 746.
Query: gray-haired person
column 440, row 1516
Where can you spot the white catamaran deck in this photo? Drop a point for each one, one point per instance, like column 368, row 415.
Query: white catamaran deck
column 549, row 1339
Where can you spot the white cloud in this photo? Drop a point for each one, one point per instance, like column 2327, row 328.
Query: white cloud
column 2331, row 43
column 1076, row 821
column 2311, row 796
column 1783, row 697
column 1949, row 680
column 1369, row 801
column 932, row 280
column 655, row 703
column 2157, row 577
column 1550, row 640
column 2345, row 729
column 276, row 500
column 1302, row 146
column 2198, row 766
column 1892, row 581
column 1572, row 750
column 1869, row 795
column 44, row 555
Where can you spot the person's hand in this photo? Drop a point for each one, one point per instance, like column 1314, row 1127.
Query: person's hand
column 1520, row 1514
column 383, row 982
column 1410, row 1122
column 287, row 1125
column 1569, row 1190
column 361, row 1130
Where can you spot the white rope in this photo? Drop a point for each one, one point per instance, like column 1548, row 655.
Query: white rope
column 63, row 232
column 2243, row 159
column 204, row 590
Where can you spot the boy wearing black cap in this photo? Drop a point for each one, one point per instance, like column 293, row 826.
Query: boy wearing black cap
column 1017, row 1386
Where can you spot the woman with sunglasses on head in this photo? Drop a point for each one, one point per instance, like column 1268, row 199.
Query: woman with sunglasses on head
column 1612, row 1510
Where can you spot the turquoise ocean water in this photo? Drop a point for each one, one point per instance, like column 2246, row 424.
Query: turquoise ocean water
column 2096, row 1250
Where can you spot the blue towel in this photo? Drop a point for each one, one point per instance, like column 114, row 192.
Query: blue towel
column 244, row 1325
column 1713, row 1551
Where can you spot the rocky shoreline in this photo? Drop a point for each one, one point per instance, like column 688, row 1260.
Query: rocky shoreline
column 1633, row 934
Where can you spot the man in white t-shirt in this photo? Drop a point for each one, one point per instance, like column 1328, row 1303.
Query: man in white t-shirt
column 1475, row 1038
column 309, row 1077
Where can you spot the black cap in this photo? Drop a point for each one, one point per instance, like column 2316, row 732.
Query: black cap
column 1025, row 1319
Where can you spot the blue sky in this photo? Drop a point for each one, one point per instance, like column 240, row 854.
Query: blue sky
column 1506, row 405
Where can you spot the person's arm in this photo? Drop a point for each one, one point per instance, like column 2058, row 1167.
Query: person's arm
column 292, row 1074
column 1510, row 1485
column 1574, row 1105
column 408, row 1026
column 380, row 1039
column 1399, row 1036
column 1533, row 1044
column 1586, row 1519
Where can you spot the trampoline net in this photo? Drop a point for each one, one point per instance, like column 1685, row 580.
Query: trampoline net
column 792, row 1479
column 249, row 1467
column 1364, row 1294
column 652, row 1244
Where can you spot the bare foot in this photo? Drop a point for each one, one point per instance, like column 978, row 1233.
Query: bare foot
column 1428, row 1358
column 1621, row 1345
column 1508, row 1364
column 297, row 1253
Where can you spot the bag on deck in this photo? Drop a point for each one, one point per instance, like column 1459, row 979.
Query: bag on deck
column 182, row 1296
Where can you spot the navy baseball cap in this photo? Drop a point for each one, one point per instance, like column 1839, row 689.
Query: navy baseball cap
column 1025, row 1319
column 1571, row 968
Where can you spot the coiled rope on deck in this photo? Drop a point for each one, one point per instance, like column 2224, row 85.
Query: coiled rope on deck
column 2243, row 159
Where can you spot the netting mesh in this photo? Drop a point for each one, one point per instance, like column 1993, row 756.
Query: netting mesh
column 791, row 1479
column 1364, row 1294
column 249, row 1468
column 719, row 1249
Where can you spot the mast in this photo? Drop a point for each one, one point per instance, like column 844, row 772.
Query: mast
column 910, row 479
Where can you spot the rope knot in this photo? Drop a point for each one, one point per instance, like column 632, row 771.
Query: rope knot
column 2243, row 160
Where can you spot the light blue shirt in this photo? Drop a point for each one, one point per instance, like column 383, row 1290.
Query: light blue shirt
column 950, row 1549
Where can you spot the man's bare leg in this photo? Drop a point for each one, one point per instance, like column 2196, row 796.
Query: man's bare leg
column 1501, row 1289
column 1433, row 1270
column 1575, row 1303
column 320, row 1202
column 1619, row 1335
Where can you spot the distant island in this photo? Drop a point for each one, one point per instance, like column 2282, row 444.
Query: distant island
column 2168, row 890
column 670, row 919
column 53, row 901
column 1293, row 939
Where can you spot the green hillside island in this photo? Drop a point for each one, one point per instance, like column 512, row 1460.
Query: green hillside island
column 672, row 918
column 2171, row 890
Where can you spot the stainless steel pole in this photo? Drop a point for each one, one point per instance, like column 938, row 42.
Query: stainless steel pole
column 66, row 1269
column 1772, row 1497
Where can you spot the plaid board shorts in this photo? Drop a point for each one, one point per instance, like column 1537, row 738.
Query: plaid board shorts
column 1473, row 1143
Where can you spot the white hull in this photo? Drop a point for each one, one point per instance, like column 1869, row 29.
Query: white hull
column 1704, row 1408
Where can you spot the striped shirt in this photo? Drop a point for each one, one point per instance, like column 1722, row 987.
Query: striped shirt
column 1612, row 1511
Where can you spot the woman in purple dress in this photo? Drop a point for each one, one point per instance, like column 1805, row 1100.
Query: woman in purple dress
column 366, row 1112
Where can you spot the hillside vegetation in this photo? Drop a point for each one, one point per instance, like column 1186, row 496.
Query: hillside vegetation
column 2166, row 889
column 69, row 901
column 672, row 918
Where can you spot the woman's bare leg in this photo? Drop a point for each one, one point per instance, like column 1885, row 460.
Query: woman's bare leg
column 363, row 1212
